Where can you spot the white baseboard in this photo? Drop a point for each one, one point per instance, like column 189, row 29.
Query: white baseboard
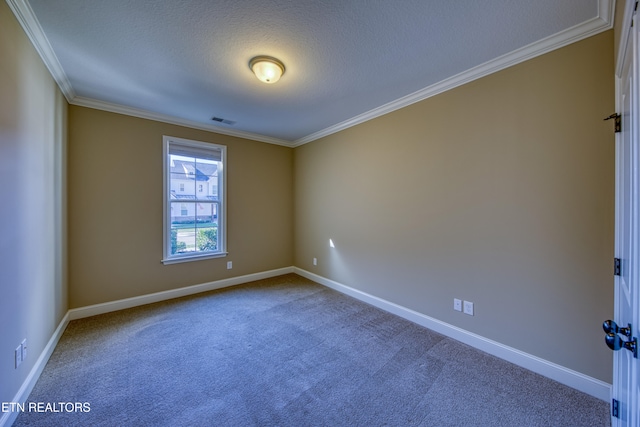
column 566, row 376
column 21, row 397
column 107, row 307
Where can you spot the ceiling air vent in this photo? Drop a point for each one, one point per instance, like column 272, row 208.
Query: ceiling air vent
column 221, row 120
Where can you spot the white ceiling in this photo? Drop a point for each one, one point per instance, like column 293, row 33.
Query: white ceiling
column 347, row 61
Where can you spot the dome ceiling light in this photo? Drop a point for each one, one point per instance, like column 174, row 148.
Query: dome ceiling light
column 266, row 68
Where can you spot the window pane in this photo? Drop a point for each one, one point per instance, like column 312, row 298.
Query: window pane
column 182, row 213
column 207, row 238
column 206, row 214
column 207, row 179
column 183, row 238
column 183, row 172
column 207, row 227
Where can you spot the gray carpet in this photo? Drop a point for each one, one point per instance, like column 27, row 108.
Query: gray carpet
column 288, row 352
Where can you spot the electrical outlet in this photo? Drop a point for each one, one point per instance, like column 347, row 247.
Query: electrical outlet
column 24, row 349
column 457, row 304
column 18, row 356
column 229, row 265
column 468, row 308
column 315, row 261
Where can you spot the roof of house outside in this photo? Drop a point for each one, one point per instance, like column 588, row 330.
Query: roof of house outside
column 181, row 169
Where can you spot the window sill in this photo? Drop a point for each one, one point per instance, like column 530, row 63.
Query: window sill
column 188, row 258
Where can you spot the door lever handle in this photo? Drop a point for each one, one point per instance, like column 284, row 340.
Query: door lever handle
column 610, row 327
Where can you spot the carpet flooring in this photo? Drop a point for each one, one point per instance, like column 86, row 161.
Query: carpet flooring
column 286, row 352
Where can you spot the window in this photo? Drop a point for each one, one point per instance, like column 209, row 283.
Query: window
column 194, row 222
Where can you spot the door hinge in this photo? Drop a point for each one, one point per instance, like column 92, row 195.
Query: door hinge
column 617, row 266
column 615, row 408
column 618, row 121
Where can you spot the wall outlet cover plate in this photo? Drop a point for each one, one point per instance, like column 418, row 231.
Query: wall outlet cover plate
column 468, row 308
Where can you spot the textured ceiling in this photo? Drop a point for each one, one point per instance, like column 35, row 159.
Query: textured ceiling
column 346, row 61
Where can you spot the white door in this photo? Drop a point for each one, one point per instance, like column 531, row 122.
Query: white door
column 626, row 366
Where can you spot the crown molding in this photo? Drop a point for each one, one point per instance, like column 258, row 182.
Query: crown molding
column 165, row 118
column 603, row 22
column 27, row 19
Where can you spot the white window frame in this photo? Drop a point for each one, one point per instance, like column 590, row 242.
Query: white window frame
column 168, row 258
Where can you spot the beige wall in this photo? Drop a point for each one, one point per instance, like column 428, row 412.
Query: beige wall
column 115, row 208
column 33, row 292
column 499, row 192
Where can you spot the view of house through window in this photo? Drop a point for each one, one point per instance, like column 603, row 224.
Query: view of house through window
column 194, row 189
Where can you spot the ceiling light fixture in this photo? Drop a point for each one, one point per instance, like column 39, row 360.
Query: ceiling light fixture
column 266, row 68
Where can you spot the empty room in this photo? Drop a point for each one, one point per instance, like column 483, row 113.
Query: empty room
column 319, row 213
